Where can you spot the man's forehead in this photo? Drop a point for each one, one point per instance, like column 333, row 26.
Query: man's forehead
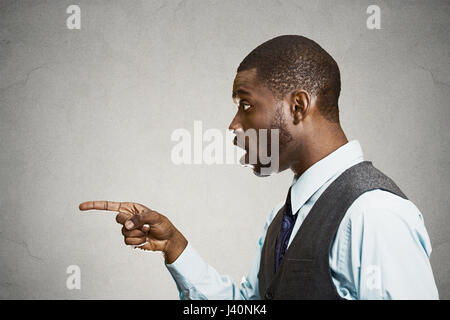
column 244, row 82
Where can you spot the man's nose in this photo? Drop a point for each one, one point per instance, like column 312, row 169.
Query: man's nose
column 235, row 124
column 236, row 128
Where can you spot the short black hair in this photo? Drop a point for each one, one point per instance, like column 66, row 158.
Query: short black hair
column 290, row 62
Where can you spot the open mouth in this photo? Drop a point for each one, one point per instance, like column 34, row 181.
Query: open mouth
column 244, row 160
column 237, row 143
column 244, row 145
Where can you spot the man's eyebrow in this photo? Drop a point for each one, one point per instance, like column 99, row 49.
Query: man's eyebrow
column 239, row 92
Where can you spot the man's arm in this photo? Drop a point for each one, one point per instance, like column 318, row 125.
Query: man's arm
column 387, row 251
column 195, row 279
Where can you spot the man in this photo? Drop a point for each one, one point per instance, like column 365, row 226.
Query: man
column 345, row 231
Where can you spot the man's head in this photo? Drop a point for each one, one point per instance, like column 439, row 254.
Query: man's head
column 291, row 84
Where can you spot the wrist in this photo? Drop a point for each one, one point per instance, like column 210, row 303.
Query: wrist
column 175, row 246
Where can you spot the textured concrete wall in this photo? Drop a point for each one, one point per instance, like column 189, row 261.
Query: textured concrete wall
column 87, row 114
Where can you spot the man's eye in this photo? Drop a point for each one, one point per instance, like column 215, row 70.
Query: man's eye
column 245, row 106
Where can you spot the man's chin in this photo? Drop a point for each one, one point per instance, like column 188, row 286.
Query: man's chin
column 259, row 170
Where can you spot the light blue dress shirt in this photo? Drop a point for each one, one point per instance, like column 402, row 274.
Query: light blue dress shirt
column 381, row 249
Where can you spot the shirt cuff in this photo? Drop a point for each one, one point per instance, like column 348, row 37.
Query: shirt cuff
column 189, row 268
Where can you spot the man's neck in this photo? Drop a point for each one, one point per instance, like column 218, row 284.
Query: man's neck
column 320, row 145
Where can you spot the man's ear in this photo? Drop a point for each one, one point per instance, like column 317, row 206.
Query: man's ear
column 300, row 105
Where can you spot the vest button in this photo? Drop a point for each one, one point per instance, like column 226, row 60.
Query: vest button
column 269, row 296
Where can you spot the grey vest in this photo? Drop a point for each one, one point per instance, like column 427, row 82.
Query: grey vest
column 304, row 272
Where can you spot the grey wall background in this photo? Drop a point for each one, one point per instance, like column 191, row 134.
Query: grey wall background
column 87, row 114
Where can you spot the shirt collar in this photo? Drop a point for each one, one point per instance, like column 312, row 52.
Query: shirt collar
column 319, row 173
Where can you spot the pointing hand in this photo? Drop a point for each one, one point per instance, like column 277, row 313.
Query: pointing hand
column 143, row 227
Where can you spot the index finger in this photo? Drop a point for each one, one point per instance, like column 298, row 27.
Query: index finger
column 100, row 205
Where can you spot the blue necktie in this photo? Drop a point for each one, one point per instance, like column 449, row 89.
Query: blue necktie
column 286, row 229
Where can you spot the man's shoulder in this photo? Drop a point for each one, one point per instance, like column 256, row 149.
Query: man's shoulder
column 379, row 207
